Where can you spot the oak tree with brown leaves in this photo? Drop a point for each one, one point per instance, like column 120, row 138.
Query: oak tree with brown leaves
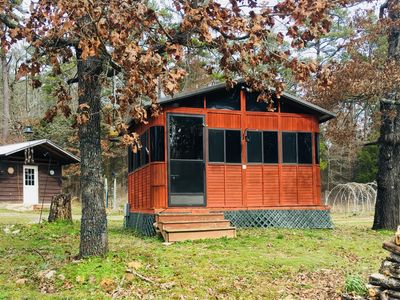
column 369, row 77
column 134, row 40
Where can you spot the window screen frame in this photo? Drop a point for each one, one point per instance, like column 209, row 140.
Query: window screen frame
column 311, row 148
column 282, row 156
column 317, row 155
column 224, row 141
column 297, row 148
column 262, row 148
column 150, row 143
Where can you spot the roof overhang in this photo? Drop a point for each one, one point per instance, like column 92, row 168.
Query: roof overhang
column 323, row 114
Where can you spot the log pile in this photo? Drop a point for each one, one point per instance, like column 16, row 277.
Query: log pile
column 385, row 285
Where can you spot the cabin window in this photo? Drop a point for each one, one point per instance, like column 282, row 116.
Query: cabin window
column 193, row 102
column 270, row 147
column 317, row 148
column 144, row 151
column 297, row 147
column 289, row 147
column 224, row 99
column 254, row 146
column 130, row 159
column 233, row 146
column 304, row 145
column 157, row 150
column 262, row 147
column 186, row 137
column 142, row 156
column 224, row 146
column 216, row 150
column 289, row 106
column 253, row 105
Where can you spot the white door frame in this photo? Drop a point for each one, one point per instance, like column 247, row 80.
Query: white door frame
column 30, row 184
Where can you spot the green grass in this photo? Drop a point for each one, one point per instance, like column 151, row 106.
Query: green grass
column 258, row 264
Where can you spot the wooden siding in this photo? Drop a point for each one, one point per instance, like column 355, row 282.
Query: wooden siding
column 236, row 186
column 223, row 120
column 11, row 186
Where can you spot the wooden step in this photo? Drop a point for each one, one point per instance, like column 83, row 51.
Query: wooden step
column 176, row 235
column 189, row 217
column 199, row 224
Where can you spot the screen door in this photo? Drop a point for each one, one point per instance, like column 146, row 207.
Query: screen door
column 186, row 160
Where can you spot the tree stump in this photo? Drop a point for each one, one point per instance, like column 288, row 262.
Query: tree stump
column 60, row 208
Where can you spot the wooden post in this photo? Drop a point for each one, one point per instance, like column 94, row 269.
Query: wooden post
column 115, row 193
column 106, row 190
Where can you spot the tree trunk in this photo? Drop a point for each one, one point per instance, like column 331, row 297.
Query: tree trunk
column 94, row 240
column 387, row 209
column 60, row 208
column 6, row 97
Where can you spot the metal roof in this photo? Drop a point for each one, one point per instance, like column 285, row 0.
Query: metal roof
column 10, row 149
column 325, row 115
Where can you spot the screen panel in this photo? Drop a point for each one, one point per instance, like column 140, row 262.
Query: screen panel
column 304, row 146
column 144, row 151
column 289, row 147
column 186, row 137
column 253, row 105
column 157, row 150
column 233, row 146
column 254, row 146
column 317, row 159
column 216, row 145
column 224, row 99
column 270, row 142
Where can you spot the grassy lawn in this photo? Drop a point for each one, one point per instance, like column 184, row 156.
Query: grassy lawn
column 258, row 264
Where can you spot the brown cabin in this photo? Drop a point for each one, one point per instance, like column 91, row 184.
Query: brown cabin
column 219, row 150
column 30, row 172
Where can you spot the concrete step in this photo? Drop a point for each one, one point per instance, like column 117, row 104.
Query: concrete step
column 189, row 217
column 176, row 235
column 169, row 225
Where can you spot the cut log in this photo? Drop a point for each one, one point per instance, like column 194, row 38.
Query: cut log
column 385, row 281
column 392, row 294
column 374, row 290
column 390, row 268
column 60, row 208
column 397, row 236
column 394, row 258
column 392, row 247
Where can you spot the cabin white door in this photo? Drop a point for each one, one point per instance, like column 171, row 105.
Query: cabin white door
column 31, row 185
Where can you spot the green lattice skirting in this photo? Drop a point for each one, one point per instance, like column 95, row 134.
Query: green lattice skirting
column 142, row 223
column 280, row 218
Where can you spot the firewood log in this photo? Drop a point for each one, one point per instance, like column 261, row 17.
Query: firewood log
column 397, row 236
column 385, row 281
column 390, row 268
column 392, row 247
column 394, row 258
column 373, row 290
column 392, row 294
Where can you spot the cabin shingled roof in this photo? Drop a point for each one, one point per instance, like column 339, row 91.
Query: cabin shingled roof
column 7, row 150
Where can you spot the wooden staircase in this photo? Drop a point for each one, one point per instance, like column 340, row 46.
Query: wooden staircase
column 175, row 227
